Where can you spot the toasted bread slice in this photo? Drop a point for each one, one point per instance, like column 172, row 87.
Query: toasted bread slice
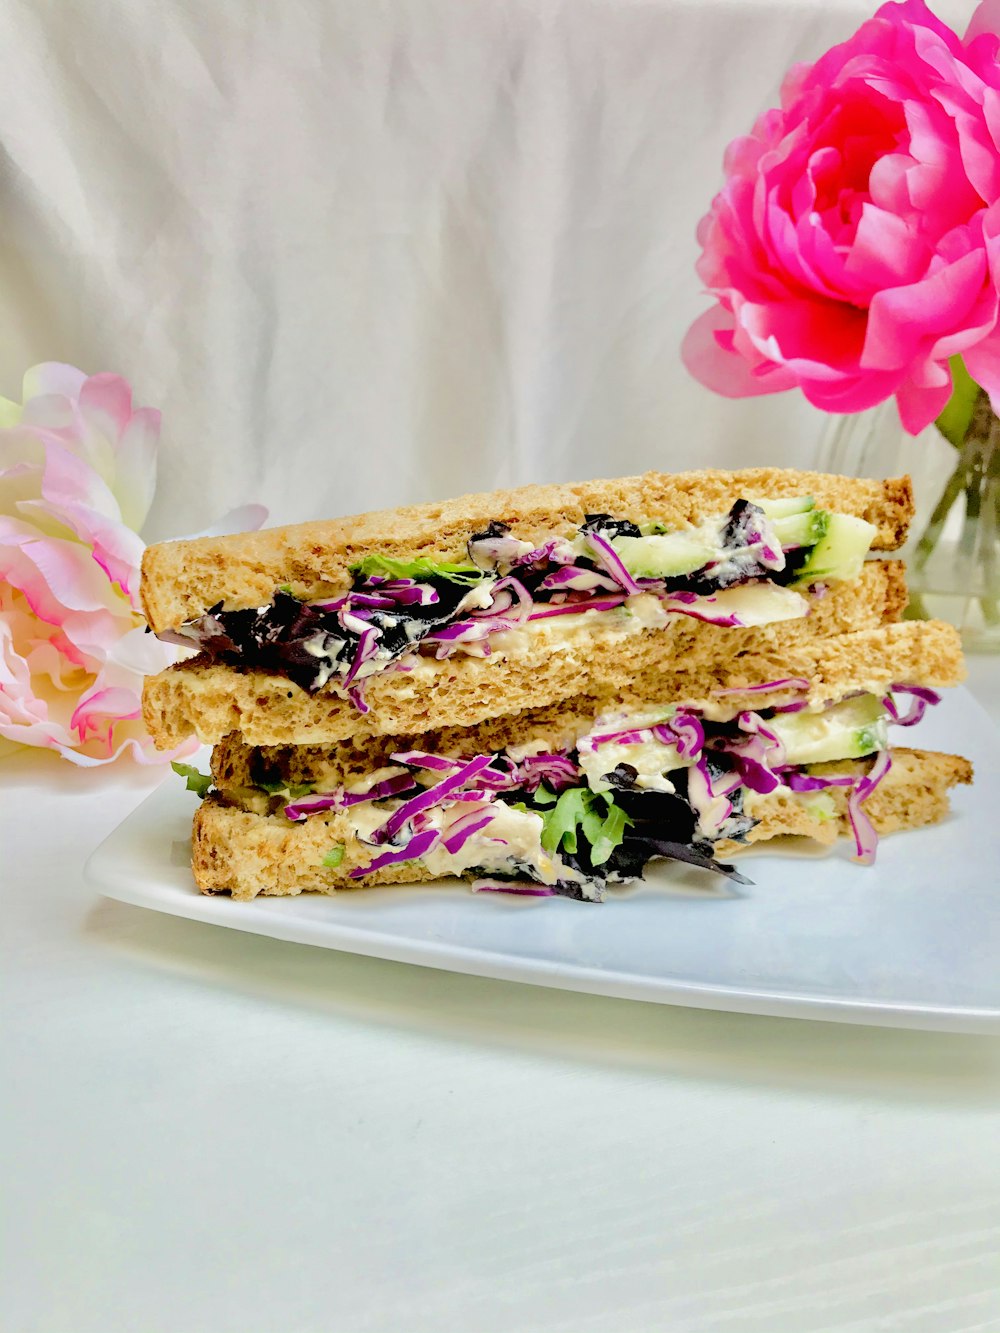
column 181, row 580
column 690, row 658
column 245, row 853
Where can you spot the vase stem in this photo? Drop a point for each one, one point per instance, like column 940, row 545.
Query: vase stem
column 979, row 445
column 957, row 482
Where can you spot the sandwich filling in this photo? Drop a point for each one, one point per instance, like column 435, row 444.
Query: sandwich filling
column 661, row 782
column 751, row 566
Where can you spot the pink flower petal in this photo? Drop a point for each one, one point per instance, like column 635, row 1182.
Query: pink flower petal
column 77, row 472
column 900, row 318
column 919, row 405
column 135, row 462
column 106, row 404
column 852, row 245
column 725, row 372
column 99, row 709
column 56, row 576
column 67, row 478
column 984, row 22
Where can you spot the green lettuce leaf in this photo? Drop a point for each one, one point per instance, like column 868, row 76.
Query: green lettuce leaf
column 196, row 781
column 594, row 814
column 421, row 568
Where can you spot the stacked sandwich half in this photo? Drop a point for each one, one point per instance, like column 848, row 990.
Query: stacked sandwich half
column 542, row 690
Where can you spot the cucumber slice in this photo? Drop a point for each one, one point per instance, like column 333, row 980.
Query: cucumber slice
column 804, row 529
column 840, row 552
column 793, row 504
column 665, row 555
column 848, row 730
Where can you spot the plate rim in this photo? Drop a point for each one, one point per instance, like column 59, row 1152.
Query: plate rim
column 115, row 882
column 119, row 877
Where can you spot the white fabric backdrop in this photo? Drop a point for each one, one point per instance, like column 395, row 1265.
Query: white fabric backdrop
column 365, row 252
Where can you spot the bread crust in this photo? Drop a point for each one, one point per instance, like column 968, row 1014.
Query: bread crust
column 244, row 854
column 211, row 700
column 181, row 580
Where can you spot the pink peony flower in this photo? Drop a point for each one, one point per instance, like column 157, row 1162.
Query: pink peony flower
column 855, row 246
column 77, row 474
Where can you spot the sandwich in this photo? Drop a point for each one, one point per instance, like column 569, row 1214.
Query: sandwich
column 684, row 763
column 451, row 614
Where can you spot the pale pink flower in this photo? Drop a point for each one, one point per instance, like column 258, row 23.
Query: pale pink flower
column 77, row 474
column 855, row 245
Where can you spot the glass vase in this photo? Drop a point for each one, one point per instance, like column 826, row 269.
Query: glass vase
column 953, row 551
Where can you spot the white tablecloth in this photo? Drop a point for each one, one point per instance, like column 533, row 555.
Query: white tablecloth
column 361, row 254
column 208, row 1132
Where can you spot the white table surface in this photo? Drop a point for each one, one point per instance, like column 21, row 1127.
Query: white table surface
column 207, row 1131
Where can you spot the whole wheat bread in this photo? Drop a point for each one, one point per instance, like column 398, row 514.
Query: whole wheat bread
column 243, row 853
column 181, row 580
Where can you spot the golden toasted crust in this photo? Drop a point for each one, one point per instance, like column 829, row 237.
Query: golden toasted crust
column 181, row 580
column 213, row 700
column 244, row 854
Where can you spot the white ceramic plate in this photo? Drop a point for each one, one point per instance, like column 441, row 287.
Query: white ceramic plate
column 912, row 942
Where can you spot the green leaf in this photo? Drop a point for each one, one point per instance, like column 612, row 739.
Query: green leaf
column 954, row 421
column 612, row 834
column 421, row 568
column 562, row 820
column 595, row 815
column 196, row 781
column 334, row 856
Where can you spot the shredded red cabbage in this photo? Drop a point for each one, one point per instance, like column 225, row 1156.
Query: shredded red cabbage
column 496, row 549
column 684, row 605
column 725, row 766
column 796, row 781
column 685, row 731
column 570, row 578
column 455, row 837
column 611, row 561
column 414, row 849
column 430, row 797
column 922, row 696
column 421, row 759
column 865, row 837
column 341, row 799
column 603, row 603
column 785, row 682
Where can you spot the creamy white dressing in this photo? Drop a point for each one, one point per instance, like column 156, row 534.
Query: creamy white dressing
column 378, row 775
column 757, row 603
column 511, row 835
column 650, row 758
